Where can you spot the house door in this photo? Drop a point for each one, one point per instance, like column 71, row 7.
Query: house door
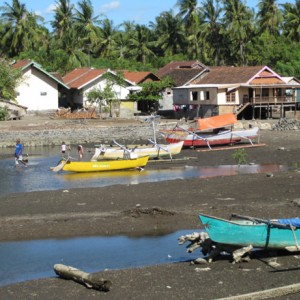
column 250, row 92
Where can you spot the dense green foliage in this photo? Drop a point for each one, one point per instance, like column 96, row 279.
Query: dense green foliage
column 4, row 113
column 9, row 79
column 216, row 32
column 151, row 90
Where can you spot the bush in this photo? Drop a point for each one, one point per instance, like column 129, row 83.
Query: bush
column 4, row 113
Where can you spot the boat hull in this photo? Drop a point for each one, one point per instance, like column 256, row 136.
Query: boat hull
column 106, row 165
column 152, row 152
column 200, row 139
column 244, row 233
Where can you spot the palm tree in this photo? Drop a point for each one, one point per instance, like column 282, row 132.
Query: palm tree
column 121, row 47
column 191, row 18
column 141, row 44
column 238, row 28
column 76, row 57
column 291, row 16
column 269, row 17
column 107, row 35
column 20, row 30
column 211, row 37
column 63, row 18
column 170, row 33
column 86, row 24
column 189, row 12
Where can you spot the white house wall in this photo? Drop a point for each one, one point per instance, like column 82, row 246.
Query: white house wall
column 38, row 91
column 80, row 97
column 166, row 103
column 184, row 96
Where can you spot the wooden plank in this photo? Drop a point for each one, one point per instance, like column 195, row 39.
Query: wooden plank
column 230, row 147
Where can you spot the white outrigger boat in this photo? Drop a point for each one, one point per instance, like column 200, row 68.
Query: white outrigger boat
column 211, row 132
column 153, row 149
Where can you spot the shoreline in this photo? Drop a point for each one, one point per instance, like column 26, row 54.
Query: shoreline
column 43, row 131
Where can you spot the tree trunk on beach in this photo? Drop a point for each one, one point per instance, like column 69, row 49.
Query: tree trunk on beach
column 89, row 280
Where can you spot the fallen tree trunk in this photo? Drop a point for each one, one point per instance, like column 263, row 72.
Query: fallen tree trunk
column 91, row 281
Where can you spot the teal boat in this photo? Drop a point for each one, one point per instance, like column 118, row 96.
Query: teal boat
column 242, row 231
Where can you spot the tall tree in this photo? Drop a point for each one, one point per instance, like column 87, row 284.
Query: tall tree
column 291, row 16
column 76, row 57
column 269, row 17
column 20, row 31
column 238, row 29
column 107, row 34
column 211, row 37
column 170, row 33
column 141, row 44
column 63, row 18
column 191, row 18
column 85, row 24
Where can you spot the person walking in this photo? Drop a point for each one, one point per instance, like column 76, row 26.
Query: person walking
column 80, row 152
column 19, row 153
column 63, row 148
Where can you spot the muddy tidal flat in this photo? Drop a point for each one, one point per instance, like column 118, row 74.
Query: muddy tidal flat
column 164, row 207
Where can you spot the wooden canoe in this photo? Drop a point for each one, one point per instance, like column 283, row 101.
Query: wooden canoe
column 244, row 231
column 105, row 165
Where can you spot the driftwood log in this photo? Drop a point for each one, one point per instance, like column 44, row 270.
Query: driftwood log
column 91, row 281
column 212, row 249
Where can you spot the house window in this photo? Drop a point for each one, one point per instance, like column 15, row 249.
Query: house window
column 207, row 95
column 278, row 92
column 194, row 96
column 230, row 97
column 43, row 93
column 265, row 92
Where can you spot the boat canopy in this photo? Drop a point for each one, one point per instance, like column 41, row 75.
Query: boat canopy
column 217, row 121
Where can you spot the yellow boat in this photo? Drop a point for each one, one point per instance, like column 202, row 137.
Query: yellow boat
column 105, row 165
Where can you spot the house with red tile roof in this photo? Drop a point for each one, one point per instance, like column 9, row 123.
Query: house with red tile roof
column 83, row 80
column 139, row 78
column 38, row 90
column 250, row 92
column 181, row 73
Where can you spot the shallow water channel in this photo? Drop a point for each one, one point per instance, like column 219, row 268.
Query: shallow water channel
column 27, row 260
column 39, row 177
